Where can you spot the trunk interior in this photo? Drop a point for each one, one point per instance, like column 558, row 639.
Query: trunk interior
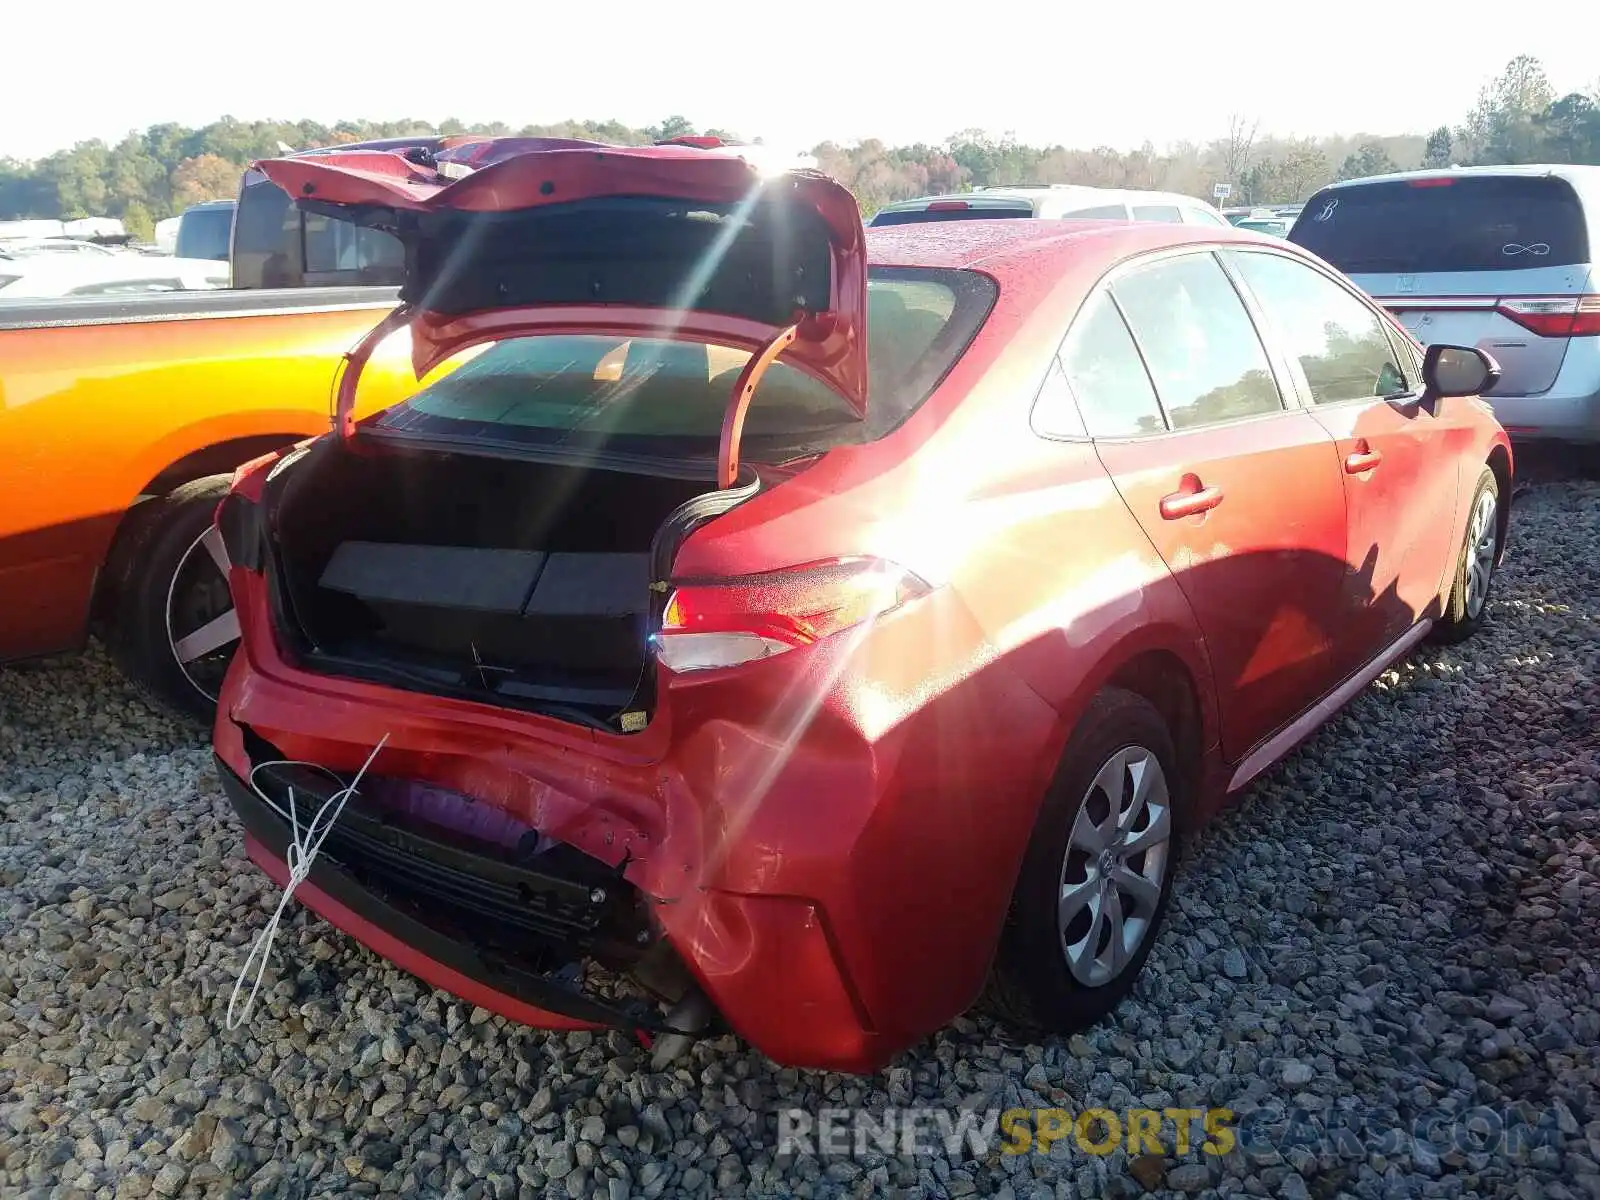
column 517, row 583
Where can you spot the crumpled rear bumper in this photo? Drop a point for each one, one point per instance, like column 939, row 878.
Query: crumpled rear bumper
column 412, row 942
column 768, row 963
column 797, row 857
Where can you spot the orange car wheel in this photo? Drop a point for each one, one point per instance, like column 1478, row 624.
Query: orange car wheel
column 175, row 628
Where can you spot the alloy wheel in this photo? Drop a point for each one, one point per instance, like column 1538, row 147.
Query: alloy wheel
column 1483, row 538
column 1115, row 868
column 202, row 623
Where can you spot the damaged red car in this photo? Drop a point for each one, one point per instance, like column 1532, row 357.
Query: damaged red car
column 774, row 627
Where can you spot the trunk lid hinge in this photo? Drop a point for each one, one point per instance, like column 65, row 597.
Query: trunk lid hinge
column 352, row 363
column 744, row 388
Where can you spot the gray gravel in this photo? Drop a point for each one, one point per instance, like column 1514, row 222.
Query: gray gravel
column 1403, row 920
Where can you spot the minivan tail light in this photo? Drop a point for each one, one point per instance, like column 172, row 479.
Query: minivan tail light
column 1555, row 316
column 948, row 206
column 726, row 622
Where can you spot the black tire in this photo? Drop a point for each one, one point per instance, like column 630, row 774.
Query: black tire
column 1465, row 612
column 138, row 637
column 1031, row 988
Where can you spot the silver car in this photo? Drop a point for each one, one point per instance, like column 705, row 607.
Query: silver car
column 1502, row 258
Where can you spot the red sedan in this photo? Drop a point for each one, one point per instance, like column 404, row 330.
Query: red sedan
column 815, row 631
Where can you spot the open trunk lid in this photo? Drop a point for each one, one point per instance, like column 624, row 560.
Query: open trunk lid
column 506, row 238
column 1500, row 262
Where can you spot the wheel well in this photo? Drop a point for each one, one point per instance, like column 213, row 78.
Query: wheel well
column 1500, row 464
column 1161, row 678
column 215, row 459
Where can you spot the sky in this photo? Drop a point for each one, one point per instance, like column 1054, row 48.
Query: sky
column 793, row 74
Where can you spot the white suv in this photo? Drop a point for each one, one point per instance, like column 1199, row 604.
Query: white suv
column 1051, row 203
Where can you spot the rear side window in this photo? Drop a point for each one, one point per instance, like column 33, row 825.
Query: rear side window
column 1339, row 342
column 1103, row 212
column 1156, row 212
column 1459, row 223
column 667, row 398
column 1102, row 366
column 916, row 216
column 1200, row 344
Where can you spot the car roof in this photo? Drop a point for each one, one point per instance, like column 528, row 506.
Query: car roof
column 1012, row 247
column 1577, row 173
column 1044, row 191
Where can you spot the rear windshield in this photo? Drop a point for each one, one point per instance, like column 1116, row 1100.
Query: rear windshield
column 914, row 216
column 204, row 233
column 278, row 246
column 1462, row 223
column 666, row 399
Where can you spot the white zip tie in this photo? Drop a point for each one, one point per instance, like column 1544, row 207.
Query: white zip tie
column 301, row 853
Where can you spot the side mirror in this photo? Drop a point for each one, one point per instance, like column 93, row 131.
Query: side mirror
column 1457, row 371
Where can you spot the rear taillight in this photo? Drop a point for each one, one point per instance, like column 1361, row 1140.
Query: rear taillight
column 725, row 622
column 239, row 523
column 1555, row 316
column 244, row 470
column 948, row 206
column 238, row 517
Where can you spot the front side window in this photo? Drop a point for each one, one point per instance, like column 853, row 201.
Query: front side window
column 1100, row 212
column 1198, row 340
column 1340, row 343
column 1204, row 216
column 1103, row 368
column 1156, row 212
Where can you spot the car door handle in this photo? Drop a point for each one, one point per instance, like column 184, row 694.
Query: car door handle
column 1186, row 504
column 1361, row 460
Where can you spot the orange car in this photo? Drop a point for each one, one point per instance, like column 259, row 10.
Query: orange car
column 122, row 421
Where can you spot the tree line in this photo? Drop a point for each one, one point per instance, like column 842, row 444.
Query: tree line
column 1518, row 118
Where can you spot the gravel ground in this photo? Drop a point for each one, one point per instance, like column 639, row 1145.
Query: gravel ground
column 1400, row 922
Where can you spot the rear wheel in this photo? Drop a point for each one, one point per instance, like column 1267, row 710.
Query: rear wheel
column 1097, row 876
column 1468, row 605
column 175, row 628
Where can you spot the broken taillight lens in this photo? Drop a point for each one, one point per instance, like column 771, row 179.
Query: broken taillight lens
column 726, row 622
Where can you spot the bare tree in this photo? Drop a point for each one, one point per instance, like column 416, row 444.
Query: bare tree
column 1236, row 149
